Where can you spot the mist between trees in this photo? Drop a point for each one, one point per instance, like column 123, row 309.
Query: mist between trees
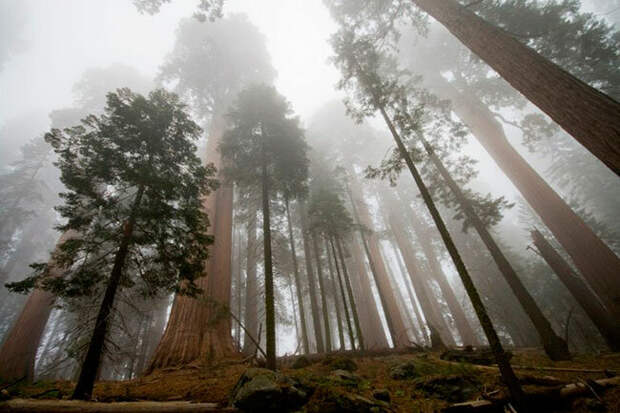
column 464, row 191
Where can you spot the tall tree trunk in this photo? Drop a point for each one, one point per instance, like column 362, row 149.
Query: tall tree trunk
column 302, row 313
column 462, row 324
column 412, row 297
column 433, row 318
column 508, row 375
column 343, row 295
column 316, row 318
column 608, row 328
column 19, row 349
column 396, row 326
column 88, row 373
column 270, row 312
column 197, row 329
column 370, row 320
column 294, row 305
column 251, row 291
column 238, row 292
column 555, row 347
column 595, row 260
column 319, row 273
column 401, row 298
column 335, row 295
column 587, row 114
column 345, row 273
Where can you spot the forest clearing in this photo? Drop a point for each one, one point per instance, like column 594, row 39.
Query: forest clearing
column 310, row 206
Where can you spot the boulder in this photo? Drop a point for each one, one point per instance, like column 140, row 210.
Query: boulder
column 330, row 400
column 261, row 390
column 404, row 371
column 453, row 388
column 346, row 376
column 342, row 363
column 301, row 362
column 381, row 394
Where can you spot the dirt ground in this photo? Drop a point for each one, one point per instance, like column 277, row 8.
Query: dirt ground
column 434, row 384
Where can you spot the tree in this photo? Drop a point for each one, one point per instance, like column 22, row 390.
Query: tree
column 360, row 66
column 266, row 147
column 134, row 193
column 587, row 114
column 209, row 65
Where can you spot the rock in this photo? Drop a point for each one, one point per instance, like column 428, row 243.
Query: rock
column 453, row 388
column 404, row 371
column 301, row 362
column 342, row 364
column 4, row 395
column 330, row 400
column 381, row 394
column 261, row 390
column 346, row 376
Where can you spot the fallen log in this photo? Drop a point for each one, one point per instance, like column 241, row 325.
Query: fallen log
column 65, row 406
column 539, row 400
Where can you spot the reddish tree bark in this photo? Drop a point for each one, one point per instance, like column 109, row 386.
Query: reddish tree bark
column 609, row 329
column 200, row 328
column 595, row 260
column 396, row 325
column 587, row 114
column 19, row 349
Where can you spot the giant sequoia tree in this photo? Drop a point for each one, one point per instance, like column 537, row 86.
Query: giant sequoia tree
column 134, row 192
column 265, row 147
column 209, row 65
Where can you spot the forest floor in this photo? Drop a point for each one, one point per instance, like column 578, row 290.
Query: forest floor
column 414, row 382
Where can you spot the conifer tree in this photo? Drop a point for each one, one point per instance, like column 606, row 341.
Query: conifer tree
column 265, row 148
column 134, row 192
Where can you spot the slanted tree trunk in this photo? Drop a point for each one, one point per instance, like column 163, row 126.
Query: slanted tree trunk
column 251, row 291
column 595, row 261
column 555, row 347
column 508, row 375
column 270, row 311
column 396, row 326
column 608, row 328
column 300, row 301
column 343, row 295
column 589, row 115
column 90, row 366
column 19, row 349
column 462, row 324
column 335, row 295
column 370, row 321
column 319, row 273
column 198, row 329
column 345, row 274
column 316, row 318
column 415, row 275
column 412, row 297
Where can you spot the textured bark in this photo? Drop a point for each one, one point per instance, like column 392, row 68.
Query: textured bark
column 609, row 329
column 370, row 321
column 347, row 279
column 251, row 291
column 300, row 301
column 395, row 323
column 200, row 329
column 589, row 115
column 316, row 318
column 596, row 261
column 19, row 349
column 508, row 375
column 555, row 347
column 335, row 295
column 319, row 274
column 343, row 295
